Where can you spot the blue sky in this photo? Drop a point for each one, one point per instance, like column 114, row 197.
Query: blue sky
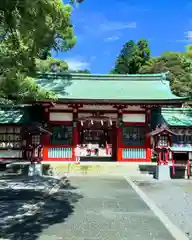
column 103, row 26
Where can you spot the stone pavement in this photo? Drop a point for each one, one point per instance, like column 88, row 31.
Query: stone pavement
column 174, row 198
column 102, row 208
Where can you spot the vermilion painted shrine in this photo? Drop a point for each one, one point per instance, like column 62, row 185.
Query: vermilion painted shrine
column 125, row 118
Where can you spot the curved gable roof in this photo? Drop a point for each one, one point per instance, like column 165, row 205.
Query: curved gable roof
column 180, row 117
column 101, row 87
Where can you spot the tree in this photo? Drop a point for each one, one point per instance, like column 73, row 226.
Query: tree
column 132, row 57
column 80, row 71
column 180, row 71
column 51, row 65
column 188, row 52
column 28, row 31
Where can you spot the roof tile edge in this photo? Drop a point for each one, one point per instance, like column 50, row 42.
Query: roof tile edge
column 176, row 109
column 127, row 76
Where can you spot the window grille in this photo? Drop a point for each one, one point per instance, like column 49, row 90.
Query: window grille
column 10, row 137
column 134, row 136
column 36, row 139
column 163, row 141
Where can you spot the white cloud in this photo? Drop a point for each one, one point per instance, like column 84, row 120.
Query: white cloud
column 77, row 64
column 112, row 39
column 187, row 39
column 189, row 36
column 97, row 24
column 116, row 26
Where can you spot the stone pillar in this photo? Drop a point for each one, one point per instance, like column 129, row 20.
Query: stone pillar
column 35, row 169
column 162, row 172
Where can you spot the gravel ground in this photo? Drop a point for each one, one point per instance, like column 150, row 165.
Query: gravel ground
column 24, row 182
column 28, row 205
column 174, row 198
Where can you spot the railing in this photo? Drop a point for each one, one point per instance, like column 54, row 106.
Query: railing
column 60, row 152
column 134, row 153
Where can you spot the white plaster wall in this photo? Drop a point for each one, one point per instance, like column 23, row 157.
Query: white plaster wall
column 111, row 115
column 134, row 118
column 58, row 116
column 61, row 106
column 98, row 107
column 83, row 115
column 134, row 108
column 10, row 153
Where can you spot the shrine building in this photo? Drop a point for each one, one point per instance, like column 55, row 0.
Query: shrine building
column 109, row 116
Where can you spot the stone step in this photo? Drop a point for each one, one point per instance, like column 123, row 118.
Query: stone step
column 98, row 168
column 97, row 159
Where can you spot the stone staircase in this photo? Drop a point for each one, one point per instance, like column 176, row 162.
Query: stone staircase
column 98, row 168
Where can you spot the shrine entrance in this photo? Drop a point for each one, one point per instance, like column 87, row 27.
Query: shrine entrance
column 97, row 138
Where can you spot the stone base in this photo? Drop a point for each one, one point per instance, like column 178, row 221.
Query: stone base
column 162, row 172
column 35, row 169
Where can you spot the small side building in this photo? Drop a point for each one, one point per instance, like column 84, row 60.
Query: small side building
column 179, row 121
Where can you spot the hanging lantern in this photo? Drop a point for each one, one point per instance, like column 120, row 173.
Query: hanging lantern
column 91, row 122
column 110, row 122
column 102, row 122
column 81, row 123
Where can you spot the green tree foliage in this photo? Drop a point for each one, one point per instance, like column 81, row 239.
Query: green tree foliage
column 51, row 65
column 80, row 71
column 180, row 71
column 188, row 52
column 28, row 31
column 132, row 57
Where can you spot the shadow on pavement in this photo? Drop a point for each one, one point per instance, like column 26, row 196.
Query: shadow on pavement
column 17, row 223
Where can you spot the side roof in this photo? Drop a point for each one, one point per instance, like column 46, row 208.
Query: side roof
column 109, row 87
column 178, row 117
column 13, row 115
column 18, row 114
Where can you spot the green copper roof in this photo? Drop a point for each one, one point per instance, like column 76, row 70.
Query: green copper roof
column 12, row 115
column 177, row 116
column 105, row 87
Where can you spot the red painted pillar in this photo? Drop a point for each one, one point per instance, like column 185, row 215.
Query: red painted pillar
column 148, row 138
column 75, row 133
column 119, row 136
column 45, row 141
column 167, row 156
column 119, row 144
column 160, row 157
column 46, row 138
